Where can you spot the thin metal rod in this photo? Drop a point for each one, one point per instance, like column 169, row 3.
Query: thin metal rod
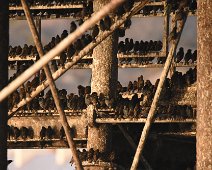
column 52, row 85
column 59, row 48
column 150, row 117
column 133, row 145
column 82, row 53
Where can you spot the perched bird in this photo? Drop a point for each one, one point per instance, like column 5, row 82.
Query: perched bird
column 95, row 32
column 180, row 55
column 9, row 162
column 194, row 56
column 16, row 132
column 62, row 59
column 35, row 81
column 62, row 133
column 128, row 5
column 121, row 32
column 49, row 132
column 73, row 26
column 64, row 34
column 43, row 133
column 23, row 133
column 102, row 25
column 107, row 22
column 188, row 56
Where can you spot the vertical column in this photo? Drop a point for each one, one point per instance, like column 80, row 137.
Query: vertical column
column 4, row 44
column 204, row 85
column 104, row 80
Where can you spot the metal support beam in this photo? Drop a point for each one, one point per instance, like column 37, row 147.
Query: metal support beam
column 52, row 85
column 4, row 44
column 152, row 110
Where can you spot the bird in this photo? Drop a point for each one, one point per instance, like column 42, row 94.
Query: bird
column 16, row 132
column 194, row 56
column 62, row 133
column 102, row 25
column 121, row 32
column 95, row 32
column 42, row 76
column 9, row 162
column 128, row 5
column 49, row 132
column 73, row 27
column 62, row 59
column 43, row 133
column 188, row 56
column 107, row 22
column 180, row 55
column 35, row 81
column 64, row 34
column 23, row 132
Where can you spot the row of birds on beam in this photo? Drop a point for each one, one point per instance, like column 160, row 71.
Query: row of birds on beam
column 95, row 156
column 46, row 133
column 17, row 3
column 76, row 103
column 87, row 9
column 83, row 12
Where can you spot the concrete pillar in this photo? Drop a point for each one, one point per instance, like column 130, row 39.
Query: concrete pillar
column 204, row 85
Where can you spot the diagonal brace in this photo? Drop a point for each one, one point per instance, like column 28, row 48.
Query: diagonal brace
column 52, row 85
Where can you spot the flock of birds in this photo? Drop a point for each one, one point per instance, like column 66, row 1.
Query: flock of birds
column 87, row 9
column 137, row 107
column 46, row 133
column 94, row 156
column 15, row 3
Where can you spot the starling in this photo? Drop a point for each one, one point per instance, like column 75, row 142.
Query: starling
column 43, row 133
column 107, row 22
column 180, row 55
column 95, row 32
column 73, row 27
column 23, row 133
column 188, row 56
